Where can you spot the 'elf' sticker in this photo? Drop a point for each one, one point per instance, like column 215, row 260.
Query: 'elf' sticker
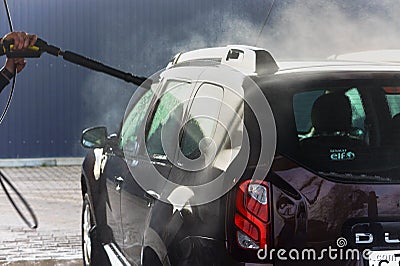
column 342, row 155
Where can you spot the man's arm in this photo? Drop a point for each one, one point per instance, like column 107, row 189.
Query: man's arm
column 6, row 75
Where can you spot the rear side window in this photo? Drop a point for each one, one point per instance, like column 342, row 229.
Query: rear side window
column 164, row 127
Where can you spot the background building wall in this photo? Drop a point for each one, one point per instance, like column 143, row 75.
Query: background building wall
column 55, row 100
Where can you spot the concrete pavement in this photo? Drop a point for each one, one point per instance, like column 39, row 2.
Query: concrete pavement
column 54, row 194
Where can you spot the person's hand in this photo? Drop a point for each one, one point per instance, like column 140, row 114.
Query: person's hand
column 22, row 40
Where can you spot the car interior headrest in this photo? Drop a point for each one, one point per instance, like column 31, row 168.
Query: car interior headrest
column 332, row 113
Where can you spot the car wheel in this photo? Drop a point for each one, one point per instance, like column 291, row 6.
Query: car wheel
column 86, row 231
column 92, row 248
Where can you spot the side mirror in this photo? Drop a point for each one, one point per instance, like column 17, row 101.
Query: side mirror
column 94, row 137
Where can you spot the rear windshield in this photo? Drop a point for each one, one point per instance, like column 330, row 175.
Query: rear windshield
column 350, row 132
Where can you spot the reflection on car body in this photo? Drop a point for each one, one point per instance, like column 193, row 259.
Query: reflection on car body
column 335, row 173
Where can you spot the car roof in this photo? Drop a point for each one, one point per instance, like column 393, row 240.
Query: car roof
column 258, row 63
column 286, row 67
column 298, row 72
column 321, row 67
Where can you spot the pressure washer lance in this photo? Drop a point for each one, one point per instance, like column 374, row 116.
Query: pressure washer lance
column 41, row 46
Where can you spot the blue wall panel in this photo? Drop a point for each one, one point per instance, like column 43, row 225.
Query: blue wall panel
column 55, row 100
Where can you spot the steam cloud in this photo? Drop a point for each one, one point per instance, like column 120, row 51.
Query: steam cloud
column 296, row 29
column 305, row 30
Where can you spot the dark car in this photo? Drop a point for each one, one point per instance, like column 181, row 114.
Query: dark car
column 329, row 192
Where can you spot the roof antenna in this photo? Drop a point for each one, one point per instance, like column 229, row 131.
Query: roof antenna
column 265, row 22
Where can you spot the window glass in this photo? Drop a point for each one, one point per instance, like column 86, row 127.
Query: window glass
column 168, row 115
column 394, row 104
column 393, row 99
column 129, row 131
column 331, row 132
column 302, row 104
column 358, row 114
column 202, row 120
column 335, row 140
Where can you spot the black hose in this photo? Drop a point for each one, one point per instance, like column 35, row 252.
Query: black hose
column 15, row 72
column 10, row 24
column 32, row 225
column 2, row 177
column 3, row 115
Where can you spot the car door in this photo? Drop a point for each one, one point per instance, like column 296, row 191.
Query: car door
column 164, row 117
column 112, row 172
column 196, row 166
column 132, row 207
column 115, row 168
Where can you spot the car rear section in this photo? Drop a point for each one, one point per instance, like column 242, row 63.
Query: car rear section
column 333, row 192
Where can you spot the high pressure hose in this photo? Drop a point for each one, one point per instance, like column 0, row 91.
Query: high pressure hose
column 4, row 179
column 3, row 115
column 35, row 52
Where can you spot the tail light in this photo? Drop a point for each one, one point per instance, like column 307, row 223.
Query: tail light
column 252, row 215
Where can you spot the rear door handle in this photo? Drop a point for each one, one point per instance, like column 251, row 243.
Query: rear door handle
column 118, row 182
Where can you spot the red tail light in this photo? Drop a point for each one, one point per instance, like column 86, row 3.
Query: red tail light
column 247, row 227
column 252, row 219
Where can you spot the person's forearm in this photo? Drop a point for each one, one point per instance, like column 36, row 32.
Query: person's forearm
column 3, row 82
column 2, row 52
column 5, row 77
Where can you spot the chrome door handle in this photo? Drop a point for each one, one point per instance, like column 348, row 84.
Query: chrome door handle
column 118, row 181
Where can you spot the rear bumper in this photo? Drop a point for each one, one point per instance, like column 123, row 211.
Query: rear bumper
column 197, row 250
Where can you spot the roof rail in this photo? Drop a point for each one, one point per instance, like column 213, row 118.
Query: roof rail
column 383, row 56
column 247, row 59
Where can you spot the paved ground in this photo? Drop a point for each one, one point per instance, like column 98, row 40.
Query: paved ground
column 54, row 195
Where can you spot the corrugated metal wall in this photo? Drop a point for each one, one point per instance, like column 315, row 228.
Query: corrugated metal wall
column 55, row 100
